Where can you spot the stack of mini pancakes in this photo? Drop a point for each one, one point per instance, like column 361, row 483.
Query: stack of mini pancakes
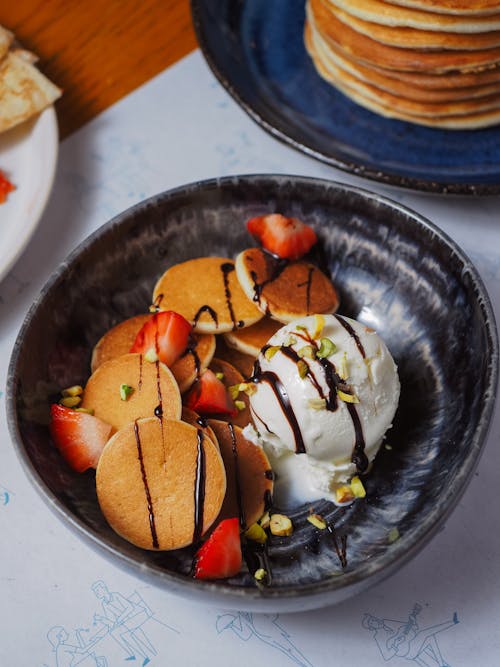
column 24, row 90
column 431, row 62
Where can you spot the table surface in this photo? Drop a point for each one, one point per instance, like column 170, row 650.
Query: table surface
column 97, row 51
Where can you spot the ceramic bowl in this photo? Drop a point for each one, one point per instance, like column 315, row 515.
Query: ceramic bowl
column 394, row 270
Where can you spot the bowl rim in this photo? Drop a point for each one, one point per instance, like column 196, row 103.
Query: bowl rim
column 288, row 598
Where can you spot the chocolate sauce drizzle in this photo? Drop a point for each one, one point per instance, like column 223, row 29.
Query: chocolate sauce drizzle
column 237, row 480
column 157, row 302
column 352, row 333
column 206, row 309
column 227, row 268
column 274, row 268
column 199, row 489
column 308, row 283
column 339, row 545
column 152, row 526
column 191, row 349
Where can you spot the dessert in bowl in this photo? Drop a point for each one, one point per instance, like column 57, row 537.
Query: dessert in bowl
column 372, row 249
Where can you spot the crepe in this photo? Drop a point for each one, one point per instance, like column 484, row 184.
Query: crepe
column 24, row 91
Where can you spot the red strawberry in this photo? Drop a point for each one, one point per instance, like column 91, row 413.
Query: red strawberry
column 79, row 436
column 166, row 334
column 209, row 396
column 220, row 556
column 288, row 238
column 5, row 187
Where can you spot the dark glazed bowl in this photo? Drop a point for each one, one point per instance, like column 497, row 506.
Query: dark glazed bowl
column 394, row 270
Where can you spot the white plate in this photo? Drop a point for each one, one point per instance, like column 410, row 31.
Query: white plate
column 28, row 158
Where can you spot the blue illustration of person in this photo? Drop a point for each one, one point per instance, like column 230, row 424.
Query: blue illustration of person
column 67, row 654
column 124, row 619
column 264, row 627
column 405, row 639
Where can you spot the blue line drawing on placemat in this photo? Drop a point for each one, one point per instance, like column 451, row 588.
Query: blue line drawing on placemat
column 5, row 495
column 123, row 620
column 264, row 627
column 406, row 640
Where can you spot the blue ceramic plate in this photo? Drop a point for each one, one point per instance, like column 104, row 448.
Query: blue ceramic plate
column 256, row 50
column 393, row 270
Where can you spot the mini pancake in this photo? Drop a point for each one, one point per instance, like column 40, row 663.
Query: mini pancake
column 231, row 377
column 154, row 390
column 160, row 483
column 248, row 472
column 251, row 339
column 208, row 294
column 191, row 417
column 284, row 290
column 242, row 362
column 120, row 338
column 464, row 7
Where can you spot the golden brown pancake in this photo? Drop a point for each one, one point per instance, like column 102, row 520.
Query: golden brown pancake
column 248, row 473
column 368, row 50
column 284, row 290
column 154, row 391
column 191, row 417
column 160, row 484
column 460, row 7
column 251, row 339
column 231, row 377
column 242, row 362
column 120, row 338
column 207, row 292
column 386, row 13
column 414, row 38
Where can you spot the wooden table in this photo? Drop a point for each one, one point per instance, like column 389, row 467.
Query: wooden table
column 99, row 50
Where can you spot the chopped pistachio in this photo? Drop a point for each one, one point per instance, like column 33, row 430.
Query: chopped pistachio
column 234, row 390
column 248, row 388
column 393, row 535
column 317, row 403
column 307, row 351
column 256, row 533
column 271, row 351
column 357, row 487
column 280, row 525
column 151, row 355
column 289, row 341
column 344, row 367
column 153, row 308
column 125, row 391
column 219, row 375
column 260, row 574
column 75, row 390
column 265, row 520
column 240, row 405
column 301, row 327
column 319, row 321
column 70, row 401
column 347, row 398
column 317, row 521
column 326, row 348
column 303, row 368
column 343, row 494
column 87, row 411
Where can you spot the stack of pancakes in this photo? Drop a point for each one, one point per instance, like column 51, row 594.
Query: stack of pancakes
column 431, row 62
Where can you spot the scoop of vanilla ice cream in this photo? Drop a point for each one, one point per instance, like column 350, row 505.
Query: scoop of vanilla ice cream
column 326, row 390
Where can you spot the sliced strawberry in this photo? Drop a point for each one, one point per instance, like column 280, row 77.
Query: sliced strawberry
column 165, row 335
column 288, row 238
column 209, row 396
column 220, row 556
column 79, row 436
column 5, row 187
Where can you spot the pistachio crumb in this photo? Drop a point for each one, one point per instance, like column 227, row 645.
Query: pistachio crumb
column 125, row 391
column 256, row 533
column 347, row 398
column 240, row 405
column 307, row 351
column 271, row 351
column 248, row 388
column 75, row 390
column 303, row 368
column 260, row 574
column 357, row 487
column 280, row 525
column 219, row 375
column 70, row 401
column 153, row 308
column 344, row 367
column 234, row 391
column 289, row 340
column 317, row 403
column 326, row 348
column 317, row 521
column 393, row 535
column 319, row 321
column 87, row 411
column 344, row 494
